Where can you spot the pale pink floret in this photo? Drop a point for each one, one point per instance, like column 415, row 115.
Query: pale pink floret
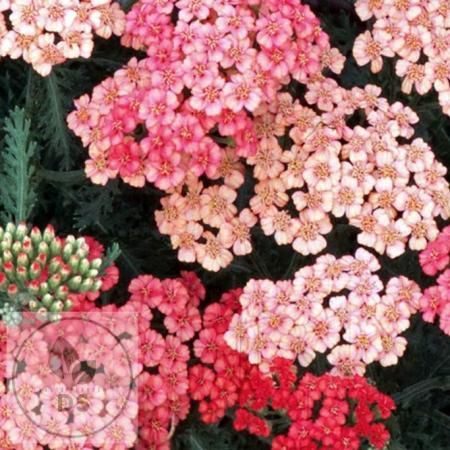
column 391, row 235
column 309, row 239
column 366, row 50
column 393, row 315
column 362, row 336
column 390, row 347
column 325, row 327
column 346, row 361
column 421, row 230
column 213, row 255
column 281, row 225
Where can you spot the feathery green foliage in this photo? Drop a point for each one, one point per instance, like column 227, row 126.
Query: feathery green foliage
column 54, row 105
column 17, row 190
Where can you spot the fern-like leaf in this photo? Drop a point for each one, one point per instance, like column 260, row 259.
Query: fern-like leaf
column 94, row 204
column 17, row 190
column 55, row 104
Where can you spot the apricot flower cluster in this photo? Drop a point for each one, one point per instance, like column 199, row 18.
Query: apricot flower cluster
column 46, row 274
column 391, row 189
column 209, row 66
column 47, row 32
column 335, row 304
column 329, row 410
column 417, row 34
column 435, row 301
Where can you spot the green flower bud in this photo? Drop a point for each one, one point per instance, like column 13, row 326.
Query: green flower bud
column 68, row 305
column 41, row 314
column 47, row 300
column 65, row 272
column 75, row 283
column 43, row 288
column 82, row 253
column 23, row 260
column 35, row 270
column 22, row 273
column 56, row 246
column 55, row 265
column 86, row 285
column 74, row 262
column 92, row 273
column 10, row 228
column 27, row 246
column 67, row 252
column 33, row 287
column 84, row 265
column 57, row 306
column 21, row 231
column 12, row 291
column 96, row 286
column 96, row 263
column 36, row 236
column 49, row 234
column 16, row 248
column 81, row 243
column 7, row 256
column 6, row 243
column 43, row 248
column 62, row 292
column 42, row 258
column 54, row 281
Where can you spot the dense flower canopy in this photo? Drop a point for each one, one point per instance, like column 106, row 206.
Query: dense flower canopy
column 417, row 34
column 317, row 189
column 45, row 33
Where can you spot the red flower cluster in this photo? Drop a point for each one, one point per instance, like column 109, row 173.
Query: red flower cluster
column 326, row 412
column 209, row 65
column 435, row 300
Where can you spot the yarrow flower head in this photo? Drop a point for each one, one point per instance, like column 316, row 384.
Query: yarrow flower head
column 47, row 274
column 417, row 34
column 392, row 191
column 335, row 304
column 47, row 33
column 208, row 69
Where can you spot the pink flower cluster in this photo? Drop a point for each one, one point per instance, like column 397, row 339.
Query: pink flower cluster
column 47, row 32
column 335, row 304
column 163, row 386
column 162, row 118
column 417, row 33
column 435, row 300
column 390, row 190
